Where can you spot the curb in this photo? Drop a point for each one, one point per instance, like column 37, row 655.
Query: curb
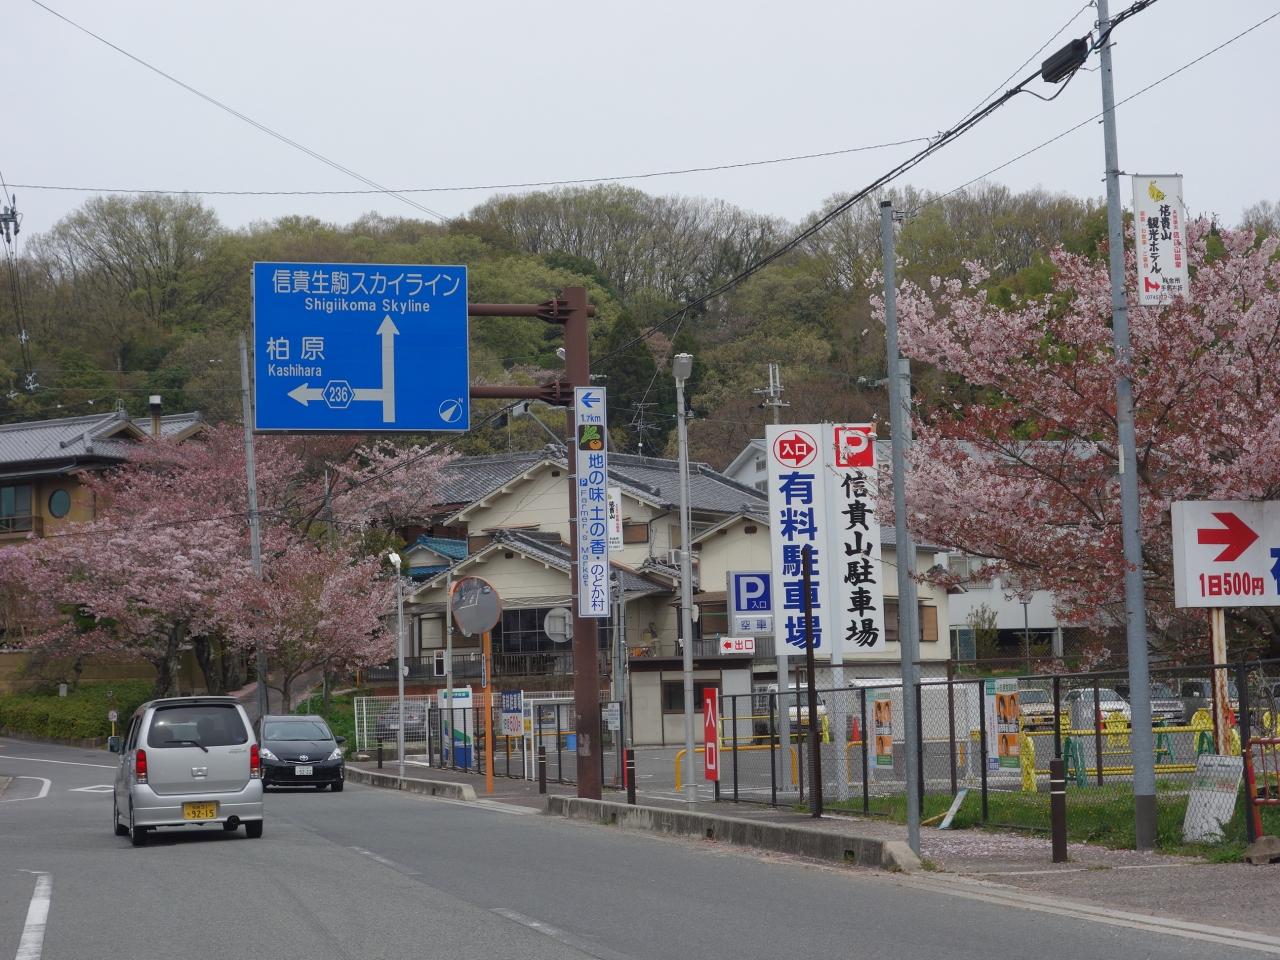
column 431, row 788
column 783, row 838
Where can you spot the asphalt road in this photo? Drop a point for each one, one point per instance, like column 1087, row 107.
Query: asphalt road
column 370, row 873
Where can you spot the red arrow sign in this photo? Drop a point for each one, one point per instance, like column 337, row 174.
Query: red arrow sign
column 1235, row 539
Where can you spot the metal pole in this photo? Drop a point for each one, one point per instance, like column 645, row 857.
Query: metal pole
column 686, row 588
column 586, row 673
column 899, row 426
column 982, row 745
column 1143, row 740
column 1246, row 750
column 1026, row 635
column 400, row 671
column 782, row 654
column 448, row 650
column 1058, row 808
column 486, row 651
column 255, row 530
column 815, row 740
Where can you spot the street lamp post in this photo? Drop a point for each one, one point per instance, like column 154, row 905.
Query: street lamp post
column 395, row 562
column 1026, row 634
column 681, row 367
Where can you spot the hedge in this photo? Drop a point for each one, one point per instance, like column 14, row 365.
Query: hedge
column 81, row 715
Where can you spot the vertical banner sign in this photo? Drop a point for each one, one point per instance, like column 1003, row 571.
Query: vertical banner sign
column 1160, row 229
column 592, row 439
column 711, row 733
column 883, row 716
column 615, row 519
column 1007, row 715
column 854, row 572
column 797, row 516
column 512, row 713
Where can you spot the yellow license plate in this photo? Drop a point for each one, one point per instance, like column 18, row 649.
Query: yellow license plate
column 199, row 811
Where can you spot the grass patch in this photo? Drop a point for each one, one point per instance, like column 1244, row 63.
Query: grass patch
column 80, row 715
column 1100, row 816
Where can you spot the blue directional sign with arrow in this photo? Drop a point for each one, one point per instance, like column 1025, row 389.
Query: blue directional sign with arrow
column 360, row 347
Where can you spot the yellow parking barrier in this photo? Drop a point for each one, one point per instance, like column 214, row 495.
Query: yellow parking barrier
column 680, row 755
column 1027, row 763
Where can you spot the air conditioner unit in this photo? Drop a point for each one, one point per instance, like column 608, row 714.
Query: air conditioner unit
column 438, row 667
column 673, row 558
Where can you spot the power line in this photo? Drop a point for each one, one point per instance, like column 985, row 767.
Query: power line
column 244, row 117
column 1097, row 116
column 527, row 184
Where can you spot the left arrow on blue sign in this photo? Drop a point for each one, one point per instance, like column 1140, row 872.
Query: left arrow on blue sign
column 589, row 400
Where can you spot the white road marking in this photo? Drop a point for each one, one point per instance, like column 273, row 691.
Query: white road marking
column 96, row 788
column 560, row 936
column 32, row 943
column 1009, row 896
column 44, row 789
column 67, row 763
column 399, row 867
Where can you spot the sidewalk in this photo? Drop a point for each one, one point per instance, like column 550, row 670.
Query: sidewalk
column 1232, row 895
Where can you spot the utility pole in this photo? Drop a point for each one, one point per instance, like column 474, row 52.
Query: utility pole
column 681, row 368
column 773, row 402
column 255, row 532
column 1144, row 776
column 899, row 373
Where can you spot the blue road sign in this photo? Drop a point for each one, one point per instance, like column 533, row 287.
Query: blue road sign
column 360, row 347
column 750, row 592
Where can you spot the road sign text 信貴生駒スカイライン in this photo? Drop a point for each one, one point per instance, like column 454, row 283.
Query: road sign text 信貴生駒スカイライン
column 1226, row 553
column 360, row 347
column 591, row 437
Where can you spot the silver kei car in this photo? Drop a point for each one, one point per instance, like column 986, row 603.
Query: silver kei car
column 187, row 761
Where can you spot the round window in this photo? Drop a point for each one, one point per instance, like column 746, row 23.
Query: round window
column 59, row 503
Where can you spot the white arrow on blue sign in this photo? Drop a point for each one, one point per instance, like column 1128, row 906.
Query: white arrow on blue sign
column 330, row 338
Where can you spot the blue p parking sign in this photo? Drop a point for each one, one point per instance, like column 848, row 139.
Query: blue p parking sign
column 751, row 592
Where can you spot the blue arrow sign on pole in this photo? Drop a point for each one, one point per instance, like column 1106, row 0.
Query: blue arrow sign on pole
column 330, row 339
column 589, row 399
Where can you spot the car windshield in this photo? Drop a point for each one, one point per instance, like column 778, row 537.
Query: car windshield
column 296, row 730
column 1033, row 696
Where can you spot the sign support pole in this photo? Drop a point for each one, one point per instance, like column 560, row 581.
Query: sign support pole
column 586, row 671
column 1221, row 697
column 486, row 648
column 815, row 731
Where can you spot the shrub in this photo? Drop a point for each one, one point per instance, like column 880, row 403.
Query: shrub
column 81, row 715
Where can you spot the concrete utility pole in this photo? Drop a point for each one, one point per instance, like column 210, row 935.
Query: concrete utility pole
column 899, row 374
column 255, row 531
column 1143, row 746
column 395, row 562
column 681, row 368
column 773, row 401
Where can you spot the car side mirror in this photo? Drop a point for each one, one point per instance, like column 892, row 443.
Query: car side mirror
column 115, row 743
column 339, row 740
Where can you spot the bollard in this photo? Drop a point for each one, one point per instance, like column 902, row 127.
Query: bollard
column 379, row 753
column 542, row 769
column 1058, row 808
column 631, row 776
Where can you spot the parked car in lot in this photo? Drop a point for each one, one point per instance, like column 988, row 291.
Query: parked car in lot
column 300, row 751
column 1166, row 704
column 1079, row 704
column 183, row 761
column 1196, row 693
column 1036, row 706
column 415, row 722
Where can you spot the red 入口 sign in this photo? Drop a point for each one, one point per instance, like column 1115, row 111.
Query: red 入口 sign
column 795, row 449
column 711, row 733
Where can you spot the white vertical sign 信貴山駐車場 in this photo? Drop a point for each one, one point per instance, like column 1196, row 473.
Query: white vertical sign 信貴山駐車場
column 855, row 572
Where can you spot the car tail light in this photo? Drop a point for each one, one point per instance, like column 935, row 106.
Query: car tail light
column 255, row 761
column 140, row 766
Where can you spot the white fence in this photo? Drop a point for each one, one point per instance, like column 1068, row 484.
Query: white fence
column 376, row 719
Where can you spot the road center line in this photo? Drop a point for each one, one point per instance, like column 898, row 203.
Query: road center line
column 32, row 943
column 65, row 763
column 560, row 936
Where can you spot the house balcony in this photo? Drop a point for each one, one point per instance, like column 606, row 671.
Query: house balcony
column 468, row 666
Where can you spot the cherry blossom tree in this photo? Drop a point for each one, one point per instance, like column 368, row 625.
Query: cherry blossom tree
column 1019, row 462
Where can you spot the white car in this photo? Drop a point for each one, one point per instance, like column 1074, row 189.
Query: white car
column 1086, row 712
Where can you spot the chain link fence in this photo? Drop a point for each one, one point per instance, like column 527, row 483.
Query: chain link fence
column 992, row 738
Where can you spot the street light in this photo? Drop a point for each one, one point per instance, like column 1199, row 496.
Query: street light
column 681, row 367
column 395, row 562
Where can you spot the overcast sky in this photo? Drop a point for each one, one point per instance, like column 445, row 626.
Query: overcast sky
column 417, row 94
